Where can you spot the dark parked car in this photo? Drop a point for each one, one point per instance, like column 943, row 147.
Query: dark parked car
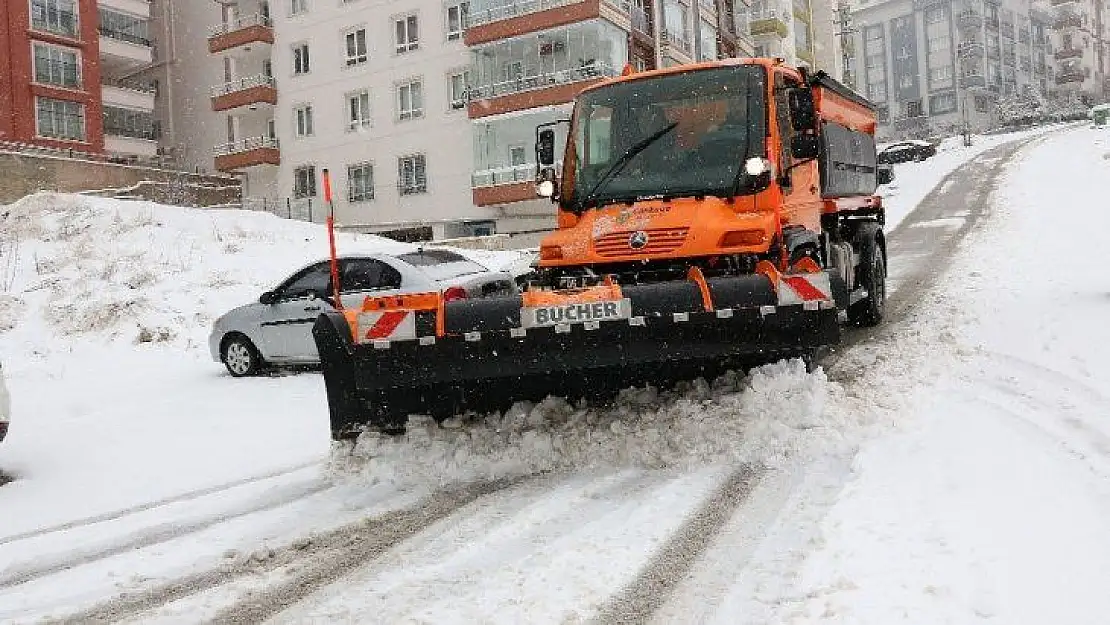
column 905, row 151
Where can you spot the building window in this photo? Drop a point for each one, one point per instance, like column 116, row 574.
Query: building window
column 304, row 181
column 356, row 47
column 408, row 38
column 56, row 16
column 300, row 59
column 458, row 16
column 360, row 182
column 914, row 109
column 412, row 176
column 60, row 119
column 296, row 7
column 302, row 117
column 518, row 155
column 410, row 100
column 55, row 65
column 456, row 84
column 358, row 110
column 121, row 122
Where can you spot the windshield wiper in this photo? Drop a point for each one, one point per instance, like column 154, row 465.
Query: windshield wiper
column 621, row 162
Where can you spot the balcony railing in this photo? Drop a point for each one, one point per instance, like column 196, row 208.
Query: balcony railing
column 1067, row 53
column 1070, row 21
column 1070, row 75
column 971, row 18
column 513, row 9
column 971, row 82
column 970, row 49
column 125, row 37
column 541, row 81
column 246, row 21
column 245, row 145
column 1057, row 3
column 677, row 41
column 242, row 84
column 147, row 132
column 506, row 175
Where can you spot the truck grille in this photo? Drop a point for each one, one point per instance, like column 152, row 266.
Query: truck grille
column 660, row 241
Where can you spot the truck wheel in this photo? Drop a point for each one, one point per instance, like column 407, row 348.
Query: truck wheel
column 872, row 276
column 240, row 356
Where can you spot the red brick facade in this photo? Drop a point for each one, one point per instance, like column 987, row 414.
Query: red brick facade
column 18, row 89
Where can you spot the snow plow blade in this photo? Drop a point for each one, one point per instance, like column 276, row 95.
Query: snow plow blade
column 394, row 358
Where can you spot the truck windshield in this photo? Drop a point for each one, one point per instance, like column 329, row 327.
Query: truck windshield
column 676, row 135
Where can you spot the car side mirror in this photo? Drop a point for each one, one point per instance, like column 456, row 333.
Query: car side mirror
column 804, row 147
column 267, row 298
column 803, row 113
column 886, row 175
column 545, row 148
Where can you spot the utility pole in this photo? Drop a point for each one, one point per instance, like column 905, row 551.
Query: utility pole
column 844, row 24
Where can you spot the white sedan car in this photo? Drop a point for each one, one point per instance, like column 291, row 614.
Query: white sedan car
column 277, row 329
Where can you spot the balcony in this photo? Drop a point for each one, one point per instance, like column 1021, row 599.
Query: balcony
column 488, row 12
column 252, row 90
column 127, row 97
column 1067, row 53
column 971, row 19
column 121, row 52
column 1065, row 76
column 971, row 50
column 677, row 41
column 497, row 20
column 769, row 23
column 545, row 68
column 1057, row 3
column 254, row 28
column 138, row 8
column 1068, row 21
column 247, row 153
column 973, row 82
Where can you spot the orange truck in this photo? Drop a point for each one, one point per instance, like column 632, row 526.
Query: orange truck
column 710, row 216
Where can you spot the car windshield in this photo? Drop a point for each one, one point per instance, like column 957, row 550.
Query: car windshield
column 441, row 264
column 679, row 134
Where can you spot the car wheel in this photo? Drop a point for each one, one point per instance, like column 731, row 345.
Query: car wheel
column 240, row 356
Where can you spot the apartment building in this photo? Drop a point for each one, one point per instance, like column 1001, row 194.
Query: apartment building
column 529, row 58
column 934, row 65
column 1080, row 31
column 800, row 31
column 67, row 71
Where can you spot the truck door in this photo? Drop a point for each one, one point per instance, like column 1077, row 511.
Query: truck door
column 800, row 186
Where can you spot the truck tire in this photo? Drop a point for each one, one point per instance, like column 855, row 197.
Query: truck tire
column 871, row 274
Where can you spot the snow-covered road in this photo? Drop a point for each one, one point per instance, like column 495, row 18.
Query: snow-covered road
column 951, row 467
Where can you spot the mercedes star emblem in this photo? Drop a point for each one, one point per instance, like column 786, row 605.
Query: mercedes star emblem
column 638, row 240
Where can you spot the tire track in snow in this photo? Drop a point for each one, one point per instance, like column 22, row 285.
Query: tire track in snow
column 651, row 588
column 318, row 561
column 183, row 497
column 154, row 535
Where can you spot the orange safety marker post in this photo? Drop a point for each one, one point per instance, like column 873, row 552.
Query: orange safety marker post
column 331, row 239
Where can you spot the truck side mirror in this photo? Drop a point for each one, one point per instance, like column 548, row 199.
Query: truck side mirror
column 803, row 113
column 886, row 175
column 803, row 147
column 545, row 148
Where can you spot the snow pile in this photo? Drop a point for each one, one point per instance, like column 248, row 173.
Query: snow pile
column 988, row 503
column 148, row 273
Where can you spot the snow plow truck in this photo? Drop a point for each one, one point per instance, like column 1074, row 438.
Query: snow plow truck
column 710, row 215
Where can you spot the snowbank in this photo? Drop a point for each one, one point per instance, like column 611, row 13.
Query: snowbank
column 988, row 502
column 148, row 273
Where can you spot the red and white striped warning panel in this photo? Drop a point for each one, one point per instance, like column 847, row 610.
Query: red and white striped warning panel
column 804, row 287
column 391, row 325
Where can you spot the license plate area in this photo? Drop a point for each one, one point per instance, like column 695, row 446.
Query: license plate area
column 575, row 313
